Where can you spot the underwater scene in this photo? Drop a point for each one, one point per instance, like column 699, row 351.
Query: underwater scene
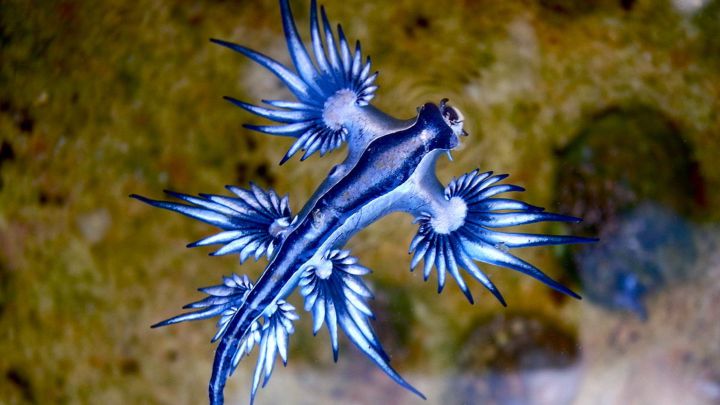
column 602, row 110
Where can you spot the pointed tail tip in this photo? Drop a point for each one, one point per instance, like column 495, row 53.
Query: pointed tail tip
column 143, row 199
column 159, row 324
column 496, row 293
column 401, row 381
column 569, row 292
column 415, row 391
column 236, row 102
column 230, row 45
column 222, row 43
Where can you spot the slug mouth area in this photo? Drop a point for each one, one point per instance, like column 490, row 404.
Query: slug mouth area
column 453, row 118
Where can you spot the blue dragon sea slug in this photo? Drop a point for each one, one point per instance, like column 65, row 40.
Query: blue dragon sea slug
column 390, row 166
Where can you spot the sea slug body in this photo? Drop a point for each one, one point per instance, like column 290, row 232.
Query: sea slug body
column 390, row 167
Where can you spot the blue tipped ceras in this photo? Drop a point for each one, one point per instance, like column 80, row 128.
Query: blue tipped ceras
column 390, row 166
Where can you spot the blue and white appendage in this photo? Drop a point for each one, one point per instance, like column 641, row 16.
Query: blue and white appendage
column 253, row 222
column 336, row 295
column 465, row 232
column 271, row 336
column 328, row 95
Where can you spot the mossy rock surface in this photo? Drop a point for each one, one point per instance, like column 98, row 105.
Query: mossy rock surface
column 99, row 100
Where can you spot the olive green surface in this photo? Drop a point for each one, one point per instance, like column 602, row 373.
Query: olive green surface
column 99, row 100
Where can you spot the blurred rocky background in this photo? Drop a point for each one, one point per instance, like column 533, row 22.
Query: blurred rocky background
column 603, row 109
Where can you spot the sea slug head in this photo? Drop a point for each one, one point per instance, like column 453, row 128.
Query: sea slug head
column 443, row 125
column 453, row 118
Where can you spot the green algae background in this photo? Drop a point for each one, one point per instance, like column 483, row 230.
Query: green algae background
column 99, row 100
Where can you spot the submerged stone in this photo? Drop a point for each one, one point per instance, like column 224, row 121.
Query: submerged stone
column 506, row 358
column 632, row 177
